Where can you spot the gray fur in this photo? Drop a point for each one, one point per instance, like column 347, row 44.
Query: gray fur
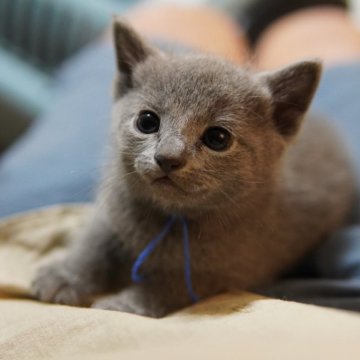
column 253, row 210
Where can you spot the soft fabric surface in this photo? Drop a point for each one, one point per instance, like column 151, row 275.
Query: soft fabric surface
column 233, row 326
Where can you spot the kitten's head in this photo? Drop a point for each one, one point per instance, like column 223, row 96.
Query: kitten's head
column 194, row 131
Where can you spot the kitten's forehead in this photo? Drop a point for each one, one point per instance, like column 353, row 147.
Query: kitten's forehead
column 196, row 84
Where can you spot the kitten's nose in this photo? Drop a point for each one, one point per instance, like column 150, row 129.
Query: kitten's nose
column 169, row 163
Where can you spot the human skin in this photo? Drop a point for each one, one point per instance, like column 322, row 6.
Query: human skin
column 324, row 32
column 202, row 28
column 327, row 33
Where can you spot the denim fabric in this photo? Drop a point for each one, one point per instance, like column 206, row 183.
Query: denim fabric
column 338, row 98
column 60, row 158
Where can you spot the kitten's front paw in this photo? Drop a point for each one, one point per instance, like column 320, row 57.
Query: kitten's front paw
column 115, row 304
column 53, row 284
column 130, row 301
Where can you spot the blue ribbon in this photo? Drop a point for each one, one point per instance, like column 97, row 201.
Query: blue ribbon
column 145, row 253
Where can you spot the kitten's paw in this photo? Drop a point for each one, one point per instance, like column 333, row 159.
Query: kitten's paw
column 53, row 284
column 128, row 302
column 115, row 304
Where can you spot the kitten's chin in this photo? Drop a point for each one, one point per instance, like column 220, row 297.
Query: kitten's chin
column 171, row 194
column 164, row 183
column 191, row 201
column 166, row 188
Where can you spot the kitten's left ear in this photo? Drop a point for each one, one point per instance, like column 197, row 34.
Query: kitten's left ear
column 292, row 89
column 130, row 50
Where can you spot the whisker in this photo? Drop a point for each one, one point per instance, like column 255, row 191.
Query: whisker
column 247, row 181
column 230, row 198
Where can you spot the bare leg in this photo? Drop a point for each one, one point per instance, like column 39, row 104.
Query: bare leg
column 202, row 28
column 323, row 32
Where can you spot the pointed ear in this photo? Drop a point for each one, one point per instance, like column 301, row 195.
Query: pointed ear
column 292, row 89
column 130, row 50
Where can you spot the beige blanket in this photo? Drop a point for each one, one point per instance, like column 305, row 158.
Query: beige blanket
column 232, row 326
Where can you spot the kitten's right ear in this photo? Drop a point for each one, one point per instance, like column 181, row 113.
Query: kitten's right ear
column 292, row 89
column 130, row 50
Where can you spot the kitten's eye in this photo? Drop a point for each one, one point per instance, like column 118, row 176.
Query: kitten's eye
column 148, row 122
column 217, row 138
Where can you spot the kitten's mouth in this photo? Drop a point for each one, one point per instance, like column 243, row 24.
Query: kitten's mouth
column 175, row 191
column 166, row 182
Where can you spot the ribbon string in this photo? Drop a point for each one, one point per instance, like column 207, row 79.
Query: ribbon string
column 148, row 250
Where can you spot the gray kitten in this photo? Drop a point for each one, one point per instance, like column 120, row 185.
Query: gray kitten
column 226, row 150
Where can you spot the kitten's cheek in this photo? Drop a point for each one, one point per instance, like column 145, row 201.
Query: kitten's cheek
column 137, row 166
column 145, row 170
column 140, row 169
